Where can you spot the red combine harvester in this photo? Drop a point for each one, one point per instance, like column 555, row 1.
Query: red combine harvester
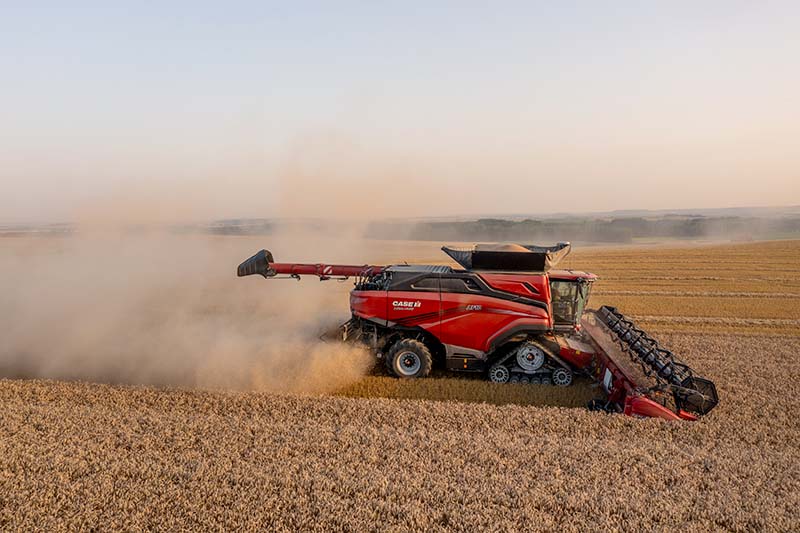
column 508, row 314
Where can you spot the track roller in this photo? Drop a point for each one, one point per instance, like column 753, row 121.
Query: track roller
column 562, row 377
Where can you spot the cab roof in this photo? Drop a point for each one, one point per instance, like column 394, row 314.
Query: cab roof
column 571, row 275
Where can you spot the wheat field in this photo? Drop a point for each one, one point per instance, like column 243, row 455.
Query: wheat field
column 444, row 454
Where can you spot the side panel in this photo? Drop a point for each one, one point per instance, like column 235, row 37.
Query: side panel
column 369, row 305
column 575, row 352
column 534, row 286
column 414, row 309
column 474, row 321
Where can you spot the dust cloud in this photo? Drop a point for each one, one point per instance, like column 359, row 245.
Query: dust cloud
column 158, row 308
column 140, row 294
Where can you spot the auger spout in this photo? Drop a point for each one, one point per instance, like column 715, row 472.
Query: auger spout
column 262, row 263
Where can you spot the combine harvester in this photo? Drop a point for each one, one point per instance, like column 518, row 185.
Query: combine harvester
column 510, row 315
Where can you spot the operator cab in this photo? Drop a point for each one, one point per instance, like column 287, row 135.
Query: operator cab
column 569, row 294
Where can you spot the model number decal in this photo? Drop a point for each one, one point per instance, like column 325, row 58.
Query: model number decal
column 474, row 307
column 403, row 305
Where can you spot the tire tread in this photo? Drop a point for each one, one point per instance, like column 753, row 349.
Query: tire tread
column 415, row 346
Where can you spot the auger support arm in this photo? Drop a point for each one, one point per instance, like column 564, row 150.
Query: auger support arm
column 262, row 263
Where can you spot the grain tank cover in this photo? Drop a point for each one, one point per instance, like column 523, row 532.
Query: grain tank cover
column 508, row 257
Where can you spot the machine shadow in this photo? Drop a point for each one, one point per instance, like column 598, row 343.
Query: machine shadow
column 441, row 386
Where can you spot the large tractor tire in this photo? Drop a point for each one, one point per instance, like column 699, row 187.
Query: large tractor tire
column 408, row 359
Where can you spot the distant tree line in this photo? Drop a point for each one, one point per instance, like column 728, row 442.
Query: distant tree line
column 609, row 230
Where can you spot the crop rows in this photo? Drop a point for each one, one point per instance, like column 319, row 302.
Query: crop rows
column 697, row 294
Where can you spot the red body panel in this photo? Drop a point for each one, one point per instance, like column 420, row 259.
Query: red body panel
column 415, row 309
column 645, row 407
column 370, row 305
column 521, row 284
column 466, row 320
column 577, row 358
column 637, row 405
column 474, row 321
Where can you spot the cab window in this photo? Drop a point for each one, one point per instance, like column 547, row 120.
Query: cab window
column 563, row 295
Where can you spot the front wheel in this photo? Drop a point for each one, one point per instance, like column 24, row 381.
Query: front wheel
column 409, row 358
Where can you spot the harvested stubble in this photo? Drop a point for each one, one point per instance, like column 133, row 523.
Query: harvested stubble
column 79, row 456
column 731, row 307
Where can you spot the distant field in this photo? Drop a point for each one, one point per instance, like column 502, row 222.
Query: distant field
column 702, row 288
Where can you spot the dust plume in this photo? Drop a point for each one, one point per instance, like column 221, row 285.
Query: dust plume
column 151, row 307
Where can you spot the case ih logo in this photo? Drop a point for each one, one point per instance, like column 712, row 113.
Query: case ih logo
column 402, row 305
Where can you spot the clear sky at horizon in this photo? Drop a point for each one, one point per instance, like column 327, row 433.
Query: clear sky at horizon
column 362, row 109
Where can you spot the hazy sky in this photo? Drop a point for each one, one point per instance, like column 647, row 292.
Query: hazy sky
column 219, row 109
